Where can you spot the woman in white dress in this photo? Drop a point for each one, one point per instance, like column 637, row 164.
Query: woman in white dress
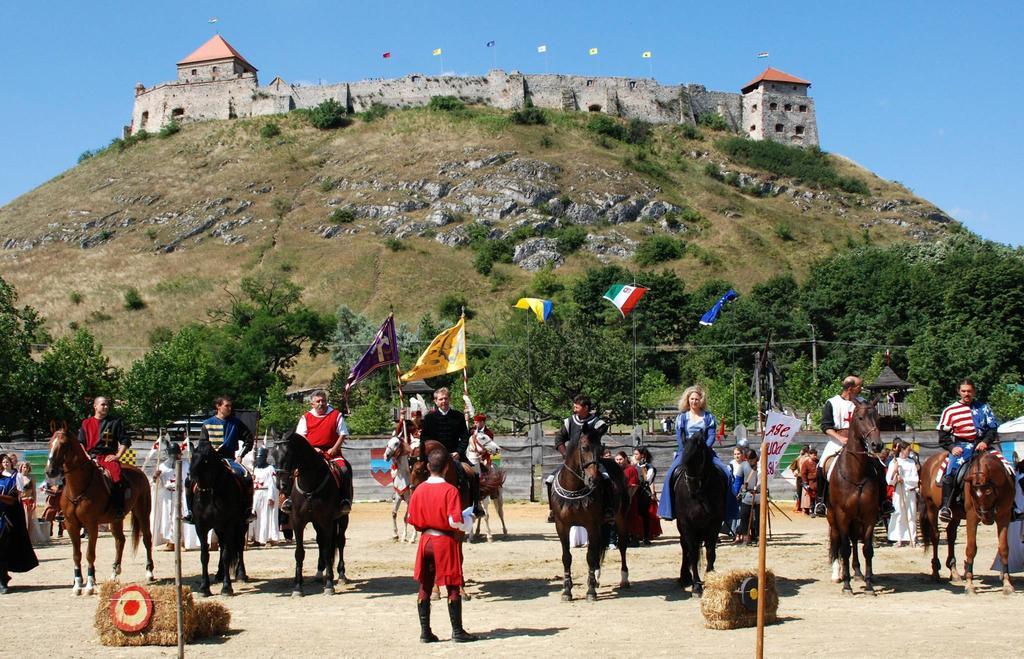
column 264, row 530
column 902, row 474
column 1015, row 532
column 164, row 490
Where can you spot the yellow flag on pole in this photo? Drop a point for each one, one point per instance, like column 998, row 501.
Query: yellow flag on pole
column 593, row 51
column 437, row 51
column 445, row 354
column 646, row 54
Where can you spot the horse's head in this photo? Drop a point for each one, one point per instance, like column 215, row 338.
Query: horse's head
column 984, row 481
column 695, row 453
column 396, row 448
column 205, row 465
column 864, row 424
column 583, row 457
column 283, row 456
column 65, row 452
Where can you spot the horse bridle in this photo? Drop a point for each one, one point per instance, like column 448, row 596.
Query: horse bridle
column 65, row 470
column 982, row 512
column 839, row 465
column 584, row 491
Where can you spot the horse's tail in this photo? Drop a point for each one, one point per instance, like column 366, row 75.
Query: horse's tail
column 833, row 549
column 928, row 536
column 491, row 482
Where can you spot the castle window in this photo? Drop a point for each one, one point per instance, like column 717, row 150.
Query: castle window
column 753, row 108
column 590, row 83
column 803, row 108
column 778, row 128
column 794, row 87
column 145, row 118
column 194, row 71
column 752, row 128
column 596, row 107
column 773, row 106
column 632, row 84
column 787, row 107
column 415, row 78
column 799, row 130
column 177, row 112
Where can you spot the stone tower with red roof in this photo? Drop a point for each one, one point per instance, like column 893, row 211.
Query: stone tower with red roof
column 214, row 60
column 776, row 107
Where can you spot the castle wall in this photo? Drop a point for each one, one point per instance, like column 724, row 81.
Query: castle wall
column 641, row 98
column 213, row 70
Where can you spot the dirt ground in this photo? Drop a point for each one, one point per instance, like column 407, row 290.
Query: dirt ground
column 516, row 607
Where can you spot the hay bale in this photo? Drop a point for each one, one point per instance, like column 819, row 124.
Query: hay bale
column 721, row 605
column 211, row 619
column 200, row 620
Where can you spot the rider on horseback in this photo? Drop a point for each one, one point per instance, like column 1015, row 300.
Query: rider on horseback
column 835, row 423
column 225, row 432
column 965, row 427
column 446, row 425
column 105, row 440
column 693, row 417
column 481, row 445
column 583, row 420
column 325, row 429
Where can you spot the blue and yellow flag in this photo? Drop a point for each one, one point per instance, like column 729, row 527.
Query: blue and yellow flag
column 541, row 308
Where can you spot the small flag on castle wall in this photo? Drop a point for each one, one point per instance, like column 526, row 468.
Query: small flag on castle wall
column 646, row 54
column 762, row 55
column 592, row 51
column 542, row 48
column 387, row 55
column 437, row 51
column 490, row 44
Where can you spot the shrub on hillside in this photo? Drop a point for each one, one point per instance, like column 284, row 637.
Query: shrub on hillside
column 809, row 165
column 169, row 129
column 282, row 206
column 394, row 244
column 270, row 130
column 712, row 120
column 690, row 132
column 529, row 116
column 783, row 231
column 376, row 111
column 569, row 238
column 659, row 249
column 446, row 104
column 329, row 114
column 637, row 131
column 711, row 170
column 133, row 300
column 342, row 216
column 605, row 126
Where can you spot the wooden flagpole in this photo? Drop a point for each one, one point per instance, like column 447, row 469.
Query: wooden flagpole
column 762, row 542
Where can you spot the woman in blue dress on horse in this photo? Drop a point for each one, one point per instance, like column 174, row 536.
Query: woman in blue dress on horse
column 693, row 418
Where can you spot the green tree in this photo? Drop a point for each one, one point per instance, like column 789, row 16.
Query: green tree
column 280, row 414
column 173, row 379
column 73, row 372
column 20, row 327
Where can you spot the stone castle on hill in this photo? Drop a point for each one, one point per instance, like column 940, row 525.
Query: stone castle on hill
column 216, row 82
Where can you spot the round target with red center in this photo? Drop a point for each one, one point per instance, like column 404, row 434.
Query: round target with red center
column 131, row 608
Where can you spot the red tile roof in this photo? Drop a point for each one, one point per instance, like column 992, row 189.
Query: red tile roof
column 773, row 75
column 214, row 49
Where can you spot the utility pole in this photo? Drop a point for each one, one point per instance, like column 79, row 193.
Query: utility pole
column 814, row 353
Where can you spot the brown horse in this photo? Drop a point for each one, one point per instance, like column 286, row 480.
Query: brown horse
column 488, row 484
column 931, row 492
column 577, row 499
column 86, row 503
column 855, row 491
column 988, row 498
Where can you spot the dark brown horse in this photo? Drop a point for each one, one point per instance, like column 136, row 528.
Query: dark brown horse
column 988, row 498
column 86, row 504
column 578, row 495
column 855, row 491
column 303, row 474
column 220, row 502
column 931, row 492
column 699, row 501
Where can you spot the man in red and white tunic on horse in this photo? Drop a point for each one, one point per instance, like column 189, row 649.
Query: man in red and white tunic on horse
column 325, row 430
column 435, row 511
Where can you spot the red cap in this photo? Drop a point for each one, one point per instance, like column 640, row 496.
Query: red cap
column 480, row 417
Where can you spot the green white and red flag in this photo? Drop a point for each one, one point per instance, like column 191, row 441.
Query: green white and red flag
column 624, row 297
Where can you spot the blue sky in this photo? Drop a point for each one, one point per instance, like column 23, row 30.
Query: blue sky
column 926, row 93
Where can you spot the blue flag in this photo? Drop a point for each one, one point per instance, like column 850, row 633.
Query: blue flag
column 711, row 316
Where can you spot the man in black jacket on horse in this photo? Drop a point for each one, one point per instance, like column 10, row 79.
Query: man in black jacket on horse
column 447, row 426
column 584, row 420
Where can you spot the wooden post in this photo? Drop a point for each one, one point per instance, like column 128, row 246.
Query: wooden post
column 178, row 494
column 762, row 543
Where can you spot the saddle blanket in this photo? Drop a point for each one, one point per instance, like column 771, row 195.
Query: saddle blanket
column 945, row 463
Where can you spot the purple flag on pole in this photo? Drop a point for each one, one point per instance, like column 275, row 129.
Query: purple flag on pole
column 383, row 351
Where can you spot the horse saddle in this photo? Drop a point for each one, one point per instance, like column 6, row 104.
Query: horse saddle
column 338, row 467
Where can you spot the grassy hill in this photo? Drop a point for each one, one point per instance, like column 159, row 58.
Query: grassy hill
column 357, row 215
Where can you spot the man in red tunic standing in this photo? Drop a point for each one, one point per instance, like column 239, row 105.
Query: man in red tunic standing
column 434, row 511
column 105, row 440
column 325, row 430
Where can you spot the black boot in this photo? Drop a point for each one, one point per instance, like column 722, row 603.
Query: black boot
column 948, row 487
column 459, row 635
column 819, row 502
column 426, row 636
